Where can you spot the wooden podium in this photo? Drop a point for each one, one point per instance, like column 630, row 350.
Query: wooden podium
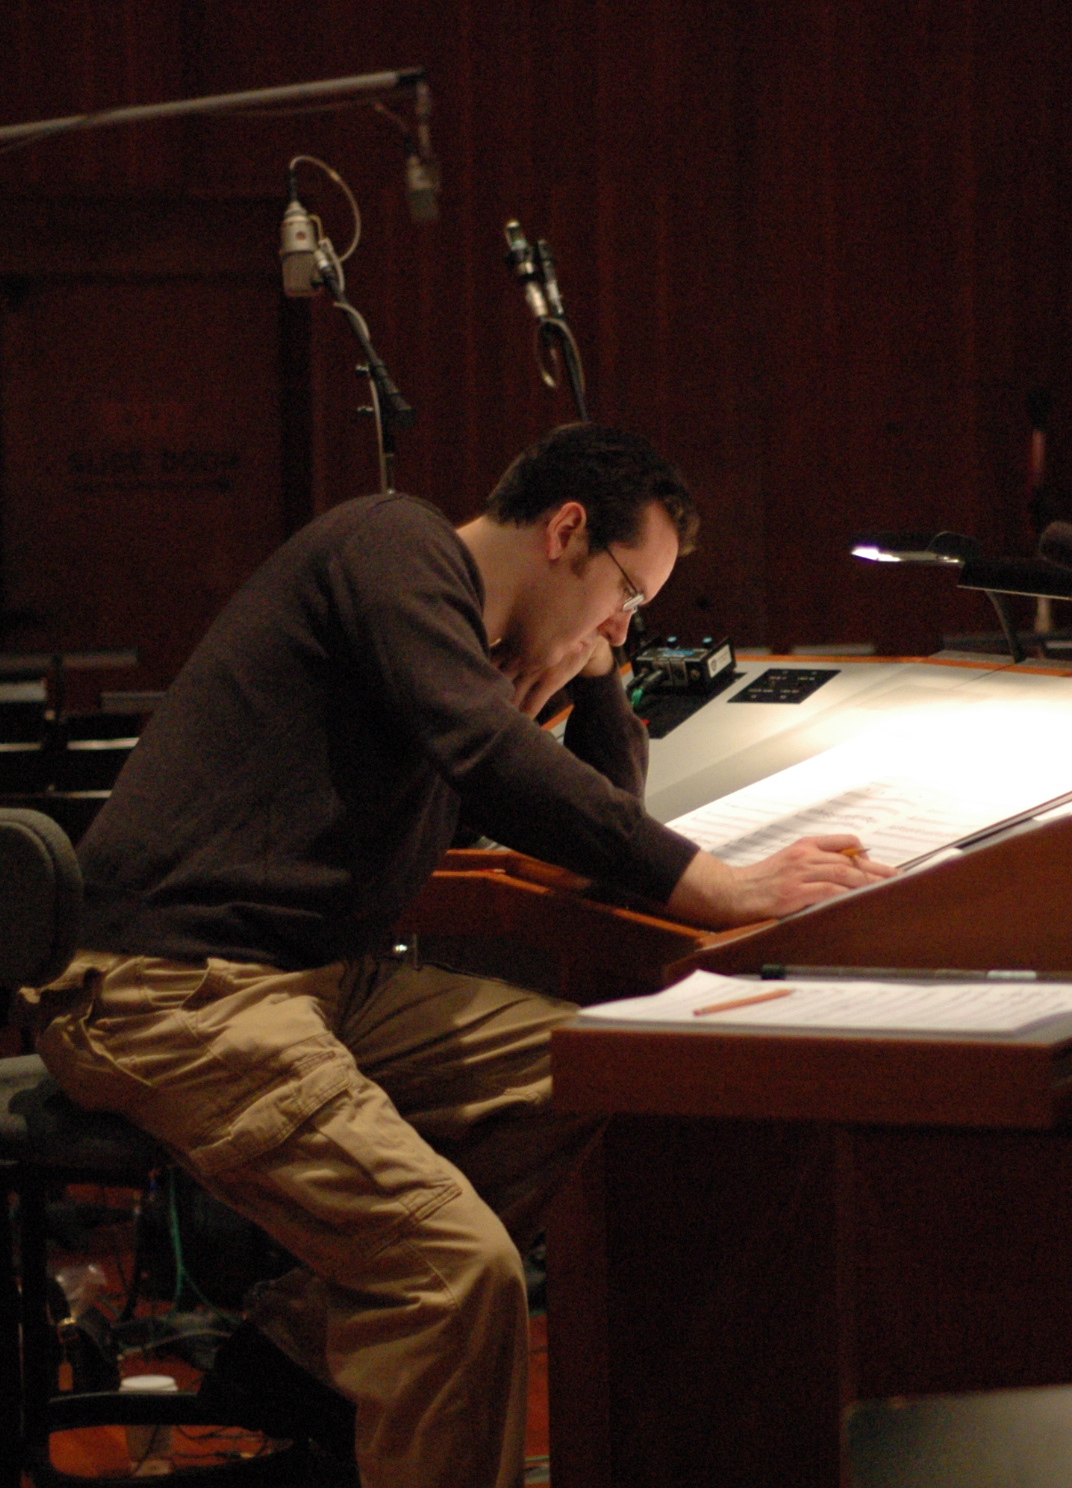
column 776, row 1226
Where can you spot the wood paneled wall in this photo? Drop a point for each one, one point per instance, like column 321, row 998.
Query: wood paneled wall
column 819, row 252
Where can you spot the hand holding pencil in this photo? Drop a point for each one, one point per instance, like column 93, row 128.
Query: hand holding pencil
column 815, row 868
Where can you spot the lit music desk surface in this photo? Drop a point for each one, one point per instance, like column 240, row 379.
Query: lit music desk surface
column 777, row 1224
column 728, row 744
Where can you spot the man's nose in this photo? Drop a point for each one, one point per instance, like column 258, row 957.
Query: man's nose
column 616, row 628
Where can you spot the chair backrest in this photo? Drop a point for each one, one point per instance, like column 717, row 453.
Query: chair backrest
column 40, row 899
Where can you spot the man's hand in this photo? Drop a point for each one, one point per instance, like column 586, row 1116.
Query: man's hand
column 712, row 894
column 588, row 658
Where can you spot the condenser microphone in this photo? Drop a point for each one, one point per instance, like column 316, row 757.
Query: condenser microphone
column 1055, row 544
column 421, row 190
column 297, row 248
column 422, row 167
column 522, row 261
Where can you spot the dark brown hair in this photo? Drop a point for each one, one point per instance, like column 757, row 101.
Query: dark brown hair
column 614, row 475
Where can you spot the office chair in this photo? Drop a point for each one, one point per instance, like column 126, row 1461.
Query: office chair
column 46, row 1139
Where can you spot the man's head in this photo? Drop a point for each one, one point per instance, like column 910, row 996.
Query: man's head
column 615, row 476
column 583, row 527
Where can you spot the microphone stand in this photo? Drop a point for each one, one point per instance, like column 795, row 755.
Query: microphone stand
column 389, row 409
column 1039, row 404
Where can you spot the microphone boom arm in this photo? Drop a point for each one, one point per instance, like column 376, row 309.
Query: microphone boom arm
column 372, row 85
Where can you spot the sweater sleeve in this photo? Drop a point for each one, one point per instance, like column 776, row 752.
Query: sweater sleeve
column 603, row 730
column 416, row 619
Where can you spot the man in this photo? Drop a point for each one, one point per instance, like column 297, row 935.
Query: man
column 390, row 1127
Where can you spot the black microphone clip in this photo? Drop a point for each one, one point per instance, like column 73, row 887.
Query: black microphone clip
column 546, row 260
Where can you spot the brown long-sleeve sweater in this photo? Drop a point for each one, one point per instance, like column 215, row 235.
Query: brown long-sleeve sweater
column 306, row 770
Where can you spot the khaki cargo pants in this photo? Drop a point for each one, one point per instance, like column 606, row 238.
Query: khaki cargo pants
column 390, row 1127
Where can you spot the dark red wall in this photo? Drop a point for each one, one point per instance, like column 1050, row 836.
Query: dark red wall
column 819, row 252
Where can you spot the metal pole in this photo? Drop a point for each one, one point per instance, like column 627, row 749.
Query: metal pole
column 364, row 84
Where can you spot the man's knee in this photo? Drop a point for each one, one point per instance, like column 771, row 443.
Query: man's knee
column 476, row 1257
column 502, row 1267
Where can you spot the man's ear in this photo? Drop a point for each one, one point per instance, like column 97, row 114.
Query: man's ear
column 564, row 528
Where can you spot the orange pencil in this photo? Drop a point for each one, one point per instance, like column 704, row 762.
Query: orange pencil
column 736, row 1002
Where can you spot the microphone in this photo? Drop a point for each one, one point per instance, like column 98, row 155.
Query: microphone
column 422, row 167
column 522, row 261
column 1055, row 544
column 297, row 248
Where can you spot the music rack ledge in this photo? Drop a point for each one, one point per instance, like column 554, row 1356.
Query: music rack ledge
column 603, row 950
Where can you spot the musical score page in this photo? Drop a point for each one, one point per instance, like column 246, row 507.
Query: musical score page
column 907, row 788
column 933, row 1006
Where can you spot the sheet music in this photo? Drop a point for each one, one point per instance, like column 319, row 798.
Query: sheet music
column 905, row 789
column 980, row 1007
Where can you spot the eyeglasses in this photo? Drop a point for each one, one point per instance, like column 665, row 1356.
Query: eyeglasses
column 636, row 597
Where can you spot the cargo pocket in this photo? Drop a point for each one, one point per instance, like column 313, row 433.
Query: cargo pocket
column 316, row 1075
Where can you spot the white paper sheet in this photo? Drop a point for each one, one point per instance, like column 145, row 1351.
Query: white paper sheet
column 905, row 789
column 982, row 1007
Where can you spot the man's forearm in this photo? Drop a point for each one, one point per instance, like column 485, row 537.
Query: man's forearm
column 604, row 731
